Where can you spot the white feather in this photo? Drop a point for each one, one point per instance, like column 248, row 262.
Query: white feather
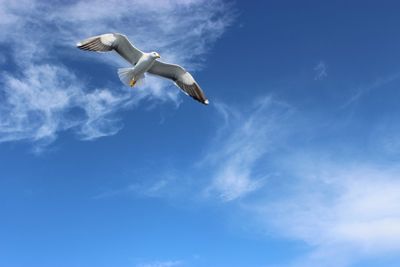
column 126, row 75
column 187, row 78
column 107, row 39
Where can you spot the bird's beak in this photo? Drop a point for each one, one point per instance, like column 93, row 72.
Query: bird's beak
column 158, row 55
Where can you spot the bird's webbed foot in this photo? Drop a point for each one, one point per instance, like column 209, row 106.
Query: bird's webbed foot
column 132, row 83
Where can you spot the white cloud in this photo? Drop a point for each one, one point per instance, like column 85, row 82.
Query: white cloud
column 45, row 99
column 161, row 264
column 320, row 71
column 362, row 91
column 229, row 168
column 247, row 137
column 159, row 188
column 39, row 93
column 345, row 212
column 345, row 209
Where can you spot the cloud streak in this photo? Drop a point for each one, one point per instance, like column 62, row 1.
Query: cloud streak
column 46, row 99
column 161, row 264
column 320, row 71
column 246, row 138
column 345, row 212
column 345, row 209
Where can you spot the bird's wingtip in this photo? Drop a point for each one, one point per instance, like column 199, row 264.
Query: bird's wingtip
column 206, row 102
column 78, row 44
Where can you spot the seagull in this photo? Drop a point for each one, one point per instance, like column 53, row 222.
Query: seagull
column 143, row 62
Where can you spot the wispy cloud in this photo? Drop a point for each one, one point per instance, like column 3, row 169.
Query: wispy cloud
column 161, row 264
column 228, row 169
column 344, row 208
column 364, row 90
column 46, row 99
column 345, row 212
column 321, row 71
column 159, row 188
column 41, row 96
column 247, row 137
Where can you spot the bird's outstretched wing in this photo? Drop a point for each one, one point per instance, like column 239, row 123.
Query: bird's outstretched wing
column 183, row 79
column 112, row 41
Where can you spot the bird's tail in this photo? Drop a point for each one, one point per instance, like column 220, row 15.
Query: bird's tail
column 126, row 75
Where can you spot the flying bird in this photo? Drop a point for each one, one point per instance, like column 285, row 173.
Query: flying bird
column 143, row 62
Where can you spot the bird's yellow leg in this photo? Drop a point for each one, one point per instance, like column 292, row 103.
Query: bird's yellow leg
column 132, row 83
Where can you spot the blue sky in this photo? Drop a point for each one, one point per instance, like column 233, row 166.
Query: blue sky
column 294, row 163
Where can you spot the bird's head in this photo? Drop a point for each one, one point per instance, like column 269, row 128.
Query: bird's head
column 155, row 55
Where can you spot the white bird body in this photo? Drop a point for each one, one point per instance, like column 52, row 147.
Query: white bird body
column 130, row 76
column 142, row 63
